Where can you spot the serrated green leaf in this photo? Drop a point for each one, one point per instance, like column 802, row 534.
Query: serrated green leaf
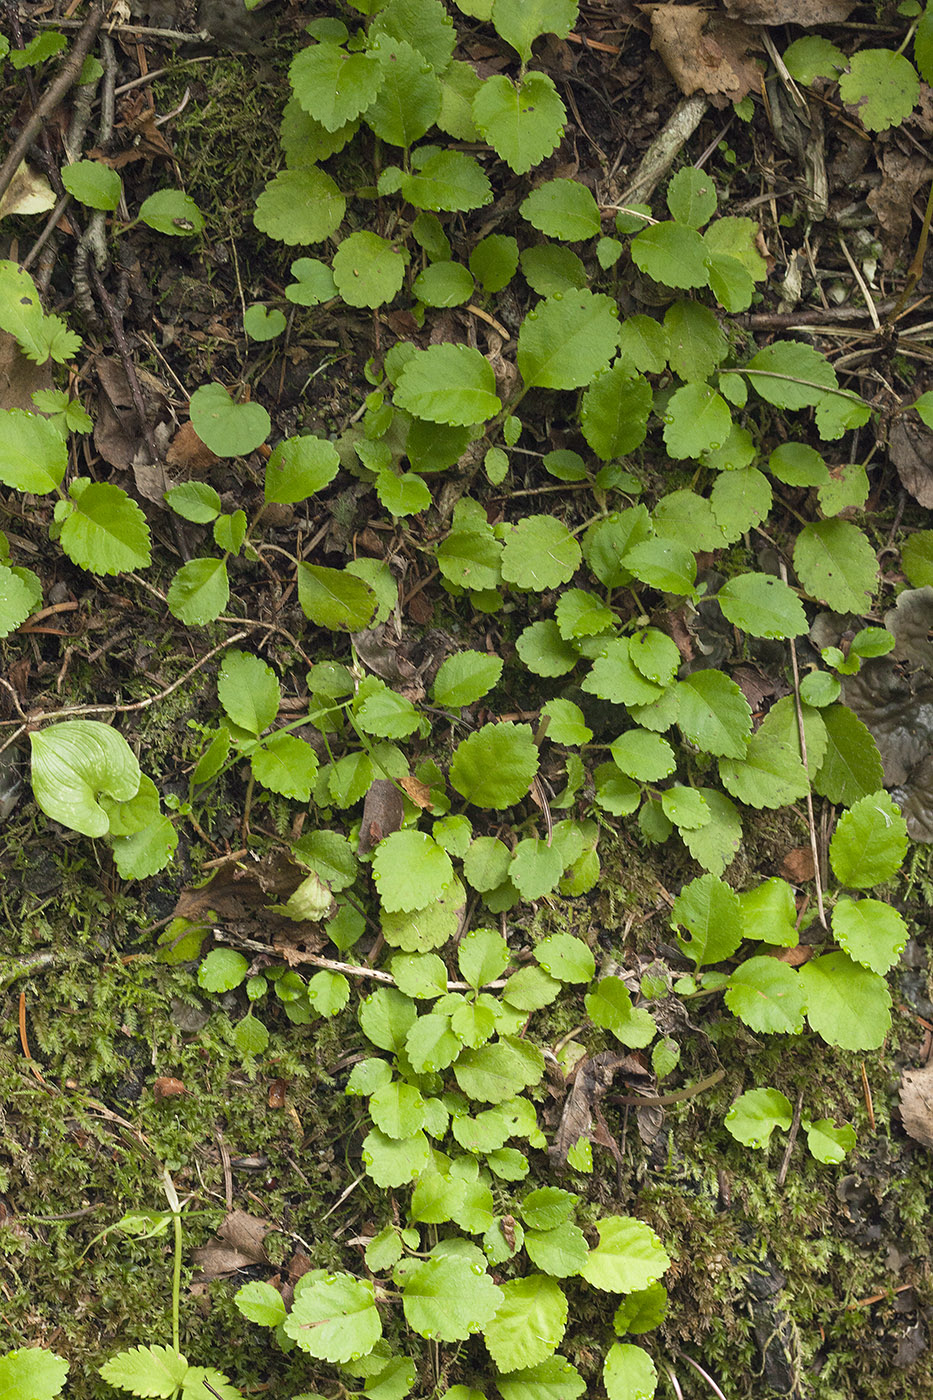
column 790, row 374
column 408, row 100
column 770, row 775
column 882, row 86
column 567, row 339
column 852, row 767
column 755, row 1114
column 496, row 1072
column 767, row 995
column 448, row 180
column 465, row 678
column 869, row 843
column 629, row 1373
column 448, row 1299
column 562, row 209
column 448, row 384
column 614, row 412
column 643, row 755
column 539, row 553
column 523, row 123
column 31, row 1373
column 609, row 1006
column 300, row 207
column 714, row 714
column 172, row 212
column 299, row 467
column 248, row 690
column 410, row 870
column 529, row 1324
column 629, row 1256
column 495, row 766
column 153, row 1371
column 335, row 1318
column 836, row 564
column 335, row 598
column 672, row 254
column 697, row 419
column 199, row 592
column 334, row 86
column 260, row 1303
column 870, row 932
column 368, row 270
column 847, row 1005
column 710, row 911
column 762, row 605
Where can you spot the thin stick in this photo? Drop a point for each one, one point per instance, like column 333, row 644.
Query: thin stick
column 791, row 1140
column 863, row 285
column 66, row 79
column 803, row 754
column 869, row 1106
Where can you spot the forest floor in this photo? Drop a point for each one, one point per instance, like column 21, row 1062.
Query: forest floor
column 115, row 1065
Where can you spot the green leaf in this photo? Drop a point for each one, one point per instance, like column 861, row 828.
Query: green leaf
column 335, row 598
column 73, row 763
column 644, row 343
column 696, row 340
column 762, row 605
column 536, row 867
column 691, row 197
column 153, row 1371
column 755, row 1114
column 172, row 212
column 300, row 207
column 31, row 1373
column 418, row 975
column 767, row 995
column 195, row 501
column 92, row 183
column 566, row 724
column 449, row 180
column 560, row 1252
column 790, row 374
column 147, row 851
column 409, row 98
column 836, row 564
column 483, row 954
column 335, row 1318
column 397, row 1109
column 566, row 958
column 813, row 57
column 710, row 911
column 314, row 282
column 496, row 1072
column 17, row 600
column 523, row 123
column 447, row 1299
column 420, row 930
column 769, row 913
column 796, row 464
column 229, row 429
column 730, row 282
column 741, row 500
column 552, row 1379
column 869, row 843
column 261, row 324
column 383, row 713
column 567, row 339
column 551, row 270
column 643, row 755
column 641, row 1311
column 368, row 270
column 448, row 384
column 222, row 970
column 828, row 1143
column 425, row 23
column 298, row 468
column 870, row 932
column 334, row 86
column 539, row 553
column 392, row 1162
column 614, row 412
column 609, row 1006
column 465, row 678
column 663, row 563
column 847, row 488
column 260, row 1303
column 562, row 209
column 615, row 677
column 520, row 22
column 629, row 1256
column 286, row 765
column 852, row 767
column 671, row 253
column 770, row 775
column 697, row 419
column 848, row 1005
column 410, row 870
column 443, row 284
column 543, row 650
column 714, row 715
column 33, row 454
column 199, row 592
column 882, row 86
column 494, row 261
column 715, row 845
column 495, row 766
column 529, row 1324
column 248, row 690
column 629, row 1373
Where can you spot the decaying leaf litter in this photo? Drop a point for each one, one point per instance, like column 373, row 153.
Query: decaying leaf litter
column 751, row 1302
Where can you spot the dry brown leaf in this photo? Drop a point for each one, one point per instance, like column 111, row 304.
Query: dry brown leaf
column 167, row 1088
column 581, row 1116
column 239, row 1246
column 916, row 1095
column 911, row 450
column 803, row 12
column 186, row 450
column 20, row 378
column 704, row 52
column 797, row 865
column 383, row 813
column 903, row 173
column 418, row 791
